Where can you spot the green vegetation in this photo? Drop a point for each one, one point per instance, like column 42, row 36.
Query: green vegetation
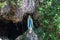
column 49, row 19
column 3, row 4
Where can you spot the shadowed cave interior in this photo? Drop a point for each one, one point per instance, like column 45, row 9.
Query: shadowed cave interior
column 13, row 30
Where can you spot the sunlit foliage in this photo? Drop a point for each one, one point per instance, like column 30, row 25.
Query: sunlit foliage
column 49, row 19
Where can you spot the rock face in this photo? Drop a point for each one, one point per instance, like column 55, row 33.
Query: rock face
column 4, row 10
column 28, row 36
column 32, row 36
column 28, row 6
column 10, row 29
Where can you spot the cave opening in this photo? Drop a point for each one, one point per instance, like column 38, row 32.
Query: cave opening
column 13, row 30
